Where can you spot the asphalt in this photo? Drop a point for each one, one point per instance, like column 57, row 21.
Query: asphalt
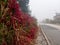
column 53, row 34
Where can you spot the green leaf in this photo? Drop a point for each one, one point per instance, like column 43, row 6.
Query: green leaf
column 4, row 0
column 1, row 25
column 0, row 39
column 7, row 17
column 8, row 38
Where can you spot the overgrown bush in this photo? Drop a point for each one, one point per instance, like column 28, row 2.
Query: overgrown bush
column 16, row 27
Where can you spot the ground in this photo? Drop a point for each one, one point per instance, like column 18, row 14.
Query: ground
column 40, row 38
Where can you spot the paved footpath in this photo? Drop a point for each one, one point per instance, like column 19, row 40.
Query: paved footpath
column 40, row 39
column 54, row 25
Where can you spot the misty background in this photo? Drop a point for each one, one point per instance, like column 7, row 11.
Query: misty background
column 42, row 9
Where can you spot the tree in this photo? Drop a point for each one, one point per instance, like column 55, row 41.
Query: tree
column 24, row 5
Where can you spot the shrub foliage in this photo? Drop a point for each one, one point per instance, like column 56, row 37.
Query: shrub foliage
column 16, row 27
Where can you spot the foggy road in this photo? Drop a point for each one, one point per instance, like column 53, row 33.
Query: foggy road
column 52, row 34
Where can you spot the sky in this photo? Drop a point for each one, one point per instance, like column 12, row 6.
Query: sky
column 42, row 9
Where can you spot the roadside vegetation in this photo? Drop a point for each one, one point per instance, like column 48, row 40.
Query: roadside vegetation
column 17, row 26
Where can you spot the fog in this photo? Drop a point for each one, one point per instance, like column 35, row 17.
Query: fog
column 42, row 9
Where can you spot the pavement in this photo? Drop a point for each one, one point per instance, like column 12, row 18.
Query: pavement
column 40, row 40
column 54, row 25
column 52, row 32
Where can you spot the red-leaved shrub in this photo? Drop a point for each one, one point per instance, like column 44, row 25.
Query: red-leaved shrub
column 16, row 27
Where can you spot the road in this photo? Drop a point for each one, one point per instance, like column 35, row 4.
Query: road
column 52, row 34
